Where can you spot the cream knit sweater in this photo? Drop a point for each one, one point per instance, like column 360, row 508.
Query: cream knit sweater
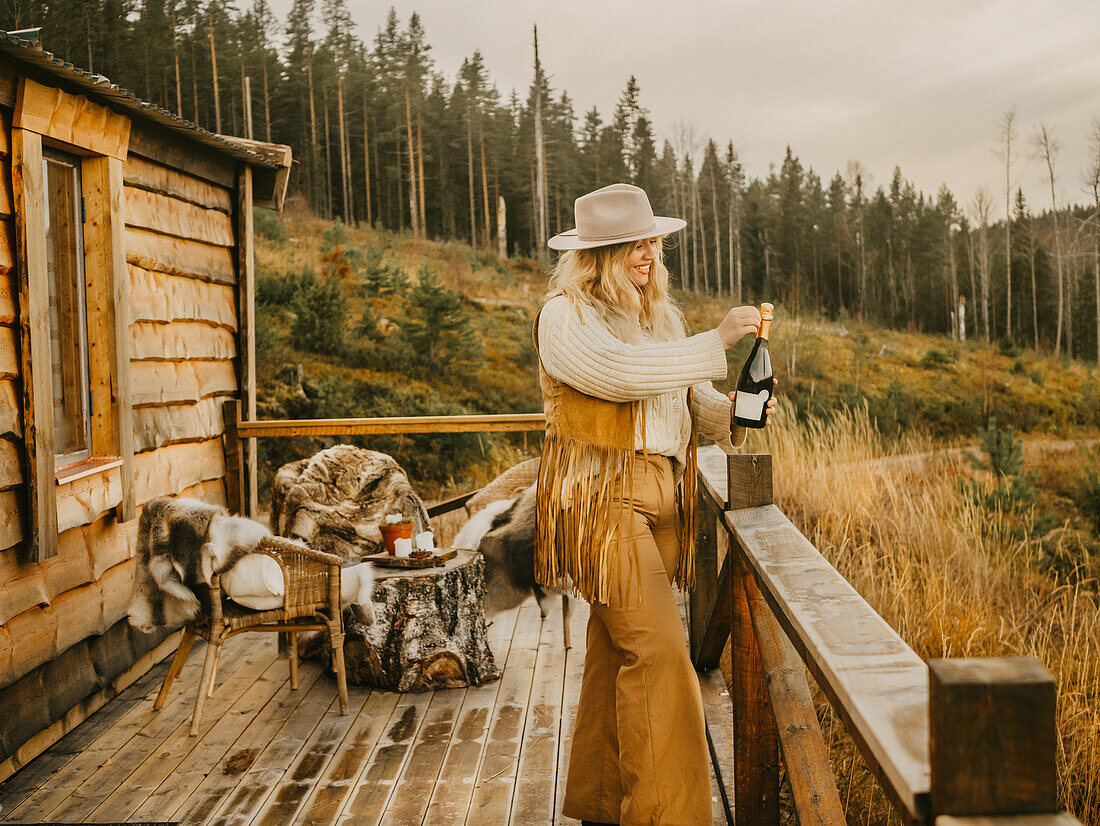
column 576, row 348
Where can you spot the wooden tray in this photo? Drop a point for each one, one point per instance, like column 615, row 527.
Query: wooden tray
column 438, row 555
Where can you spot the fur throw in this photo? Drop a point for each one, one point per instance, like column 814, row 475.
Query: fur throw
column 335, row 500
column 183, row 543
column 504, row 533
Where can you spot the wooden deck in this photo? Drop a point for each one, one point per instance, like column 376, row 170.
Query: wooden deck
column 495, row 754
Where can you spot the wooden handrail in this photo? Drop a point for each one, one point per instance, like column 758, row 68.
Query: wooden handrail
column 990, row 748
column 391, row 425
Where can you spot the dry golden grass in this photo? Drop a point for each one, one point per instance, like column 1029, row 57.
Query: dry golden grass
column 946, row 576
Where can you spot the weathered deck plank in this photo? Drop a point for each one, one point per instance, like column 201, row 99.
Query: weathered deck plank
column 496, row 753
column 339, row 779
column 574, row 670
column 368, row 804
column 140, row 725
column 533, row 800
column 455, row 786
column 290, row 794
column 226, row 776
column 270, row 765
column 125, row 796
column 497, row 773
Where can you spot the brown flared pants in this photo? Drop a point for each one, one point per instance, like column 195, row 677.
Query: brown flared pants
column 639, row 753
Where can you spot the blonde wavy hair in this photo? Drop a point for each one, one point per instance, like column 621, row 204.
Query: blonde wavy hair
column 598, row 279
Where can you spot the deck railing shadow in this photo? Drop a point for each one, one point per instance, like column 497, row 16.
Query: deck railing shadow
column 952, row 742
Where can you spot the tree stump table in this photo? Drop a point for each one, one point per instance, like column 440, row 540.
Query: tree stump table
column 428, row 630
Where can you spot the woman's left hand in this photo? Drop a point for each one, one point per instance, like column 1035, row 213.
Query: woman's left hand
column 770, row 406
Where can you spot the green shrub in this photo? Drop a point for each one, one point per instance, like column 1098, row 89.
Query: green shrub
column 437, row 329
column 1007, row 347
column 935, row 358
column 379, row 277
column 269, row 225
column 320, row 320
column 1088, row 497
column 1004, row 452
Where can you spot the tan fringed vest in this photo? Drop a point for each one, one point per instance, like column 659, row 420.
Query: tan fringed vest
column 587, row 463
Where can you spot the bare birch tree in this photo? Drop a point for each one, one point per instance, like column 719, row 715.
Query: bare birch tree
column 1006, row 133
column 981, row 207
column 1092, row 181
column 1045, row 148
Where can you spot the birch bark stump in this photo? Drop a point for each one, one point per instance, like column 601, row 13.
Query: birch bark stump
column 428, row 631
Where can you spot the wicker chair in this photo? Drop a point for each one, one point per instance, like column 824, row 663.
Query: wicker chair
column 312, row 603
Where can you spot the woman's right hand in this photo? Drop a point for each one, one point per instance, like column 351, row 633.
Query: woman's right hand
column 739, row 321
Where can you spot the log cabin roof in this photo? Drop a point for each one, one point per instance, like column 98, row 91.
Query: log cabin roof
column 99, row 88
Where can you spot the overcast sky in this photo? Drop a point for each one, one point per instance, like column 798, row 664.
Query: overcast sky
column 918, row 84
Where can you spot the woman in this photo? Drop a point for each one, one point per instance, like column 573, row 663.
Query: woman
column 625, row 391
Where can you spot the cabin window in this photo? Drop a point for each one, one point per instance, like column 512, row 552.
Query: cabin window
column 68, row 313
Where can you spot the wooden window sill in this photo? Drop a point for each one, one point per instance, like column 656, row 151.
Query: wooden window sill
column 88, row 467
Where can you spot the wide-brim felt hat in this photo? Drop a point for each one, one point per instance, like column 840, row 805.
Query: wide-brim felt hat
column 614, row 215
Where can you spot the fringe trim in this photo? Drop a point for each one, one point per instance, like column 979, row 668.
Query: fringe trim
column 577, row 545
column 577, row 542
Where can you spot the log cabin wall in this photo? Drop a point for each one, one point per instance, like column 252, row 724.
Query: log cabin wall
column 65, row 645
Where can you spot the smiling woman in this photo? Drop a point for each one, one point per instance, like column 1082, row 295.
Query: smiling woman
column 625, row 392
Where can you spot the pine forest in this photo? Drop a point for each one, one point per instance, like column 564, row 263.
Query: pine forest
column 384, row 135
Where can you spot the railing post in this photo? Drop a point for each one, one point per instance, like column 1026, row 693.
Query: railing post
column 993, row 737
column 755, row 739
column 234, row 459
column 710, row 591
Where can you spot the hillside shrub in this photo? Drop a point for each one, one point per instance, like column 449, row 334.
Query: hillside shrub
column 1088, row 497
column 438, row 331
column 934, row 358
column 268, row 224
column 320, row 316
column 379, row 277
column 1012, row 492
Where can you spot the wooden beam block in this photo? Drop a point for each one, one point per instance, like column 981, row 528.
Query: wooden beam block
column 9, row 298
column 994, row 737
column 755, row 739
column 11, row 465
column 178, row 256
column 9, row 353
column 805, row 755
column 750, row 481
column 71, row 119
column 12, row 509
column 34, row 325
column 157, row 296
column 177, row 382
column 86, row 500
column 7, row 243
column 175, row 423
column 179, row 153
column 169, row 470
column 11, row 420
column 165, row 181
column 181, row 341
column 108, row 288
column 171, row 216
column 246, row 307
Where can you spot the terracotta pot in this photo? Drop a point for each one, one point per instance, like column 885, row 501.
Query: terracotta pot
column 391, row 533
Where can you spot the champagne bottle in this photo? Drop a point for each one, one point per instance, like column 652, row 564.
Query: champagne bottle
column 754, row 386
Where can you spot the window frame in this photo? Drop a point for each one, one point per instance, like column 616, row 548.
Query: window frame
column 65, row 461
column 45, row 119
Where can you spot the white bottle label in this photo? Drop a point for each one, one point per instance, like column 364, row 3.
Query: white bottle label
column 749, row 406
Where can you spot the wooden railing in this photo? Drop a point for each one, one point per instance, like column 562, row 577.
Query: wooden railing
column 952, row 742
